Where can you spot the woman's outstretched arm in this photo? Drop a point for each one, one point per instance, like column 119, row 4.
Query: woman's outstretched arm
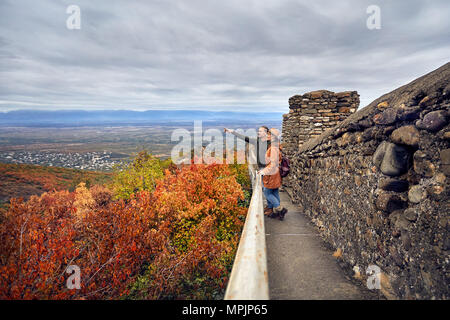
column 241, row 136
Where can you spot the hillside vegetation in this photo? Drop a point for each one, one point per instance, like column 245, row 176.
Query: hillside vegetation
column 23, row 181
column 155, row 231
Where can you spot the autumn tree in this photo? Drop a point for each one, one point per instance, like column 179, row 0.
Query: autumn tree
column 141, row 174
column 175, row 239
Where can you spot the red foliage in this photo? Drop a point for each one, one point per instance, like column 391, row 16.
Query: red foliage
column 188, row 226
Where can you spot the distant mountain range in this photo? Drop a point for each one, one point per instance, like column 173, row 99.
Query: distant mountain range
column 106, row 117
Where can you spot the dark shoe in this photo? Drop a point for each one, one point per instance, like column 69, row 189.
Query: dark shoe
column 273, row 215
column 268, row 211
column 282, row 214
column 277, row 211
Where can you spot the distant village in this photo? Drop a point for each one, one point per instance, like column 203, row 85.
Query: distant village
column 99, row 161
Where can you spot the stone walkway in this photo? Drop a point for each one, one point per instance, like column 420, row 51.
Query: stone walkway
column 299, row 264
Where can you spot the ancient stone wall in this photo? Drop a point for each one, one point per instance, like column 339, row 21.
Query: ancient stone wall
column 377, row 188
column 313, row 113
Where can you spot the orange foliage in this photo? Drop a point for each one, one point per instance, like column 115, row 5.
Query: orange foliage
column 188, row 226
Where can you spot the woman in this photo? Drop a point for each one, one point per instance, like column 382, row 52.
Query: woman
column 272, row 177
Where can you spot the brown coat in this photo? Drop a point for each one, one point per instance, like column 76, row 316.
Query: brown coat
column 272, row 177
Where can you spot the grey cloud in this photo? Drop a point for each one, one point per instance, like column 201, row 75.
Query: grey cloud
column 206, row 54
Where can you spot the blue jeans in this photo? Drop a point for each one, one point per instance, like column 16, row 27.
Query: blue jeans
column 272, row 197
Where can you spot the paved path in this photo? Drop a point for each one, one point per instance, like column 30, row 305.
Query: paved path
column 299, row 265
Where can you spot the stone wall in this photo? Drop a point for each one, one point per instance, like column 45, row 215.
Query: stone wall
column 313, row 113
column 377, row 188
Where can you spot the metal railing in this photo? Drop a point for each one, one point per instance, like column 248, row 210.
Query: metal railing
column 249, row 279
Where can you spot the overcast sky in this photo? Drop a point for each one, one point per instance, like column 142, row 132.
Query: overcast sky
column 237, row 55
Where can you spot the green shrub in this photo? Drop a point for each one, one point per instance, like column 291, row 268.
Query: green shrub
column 139, row 175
